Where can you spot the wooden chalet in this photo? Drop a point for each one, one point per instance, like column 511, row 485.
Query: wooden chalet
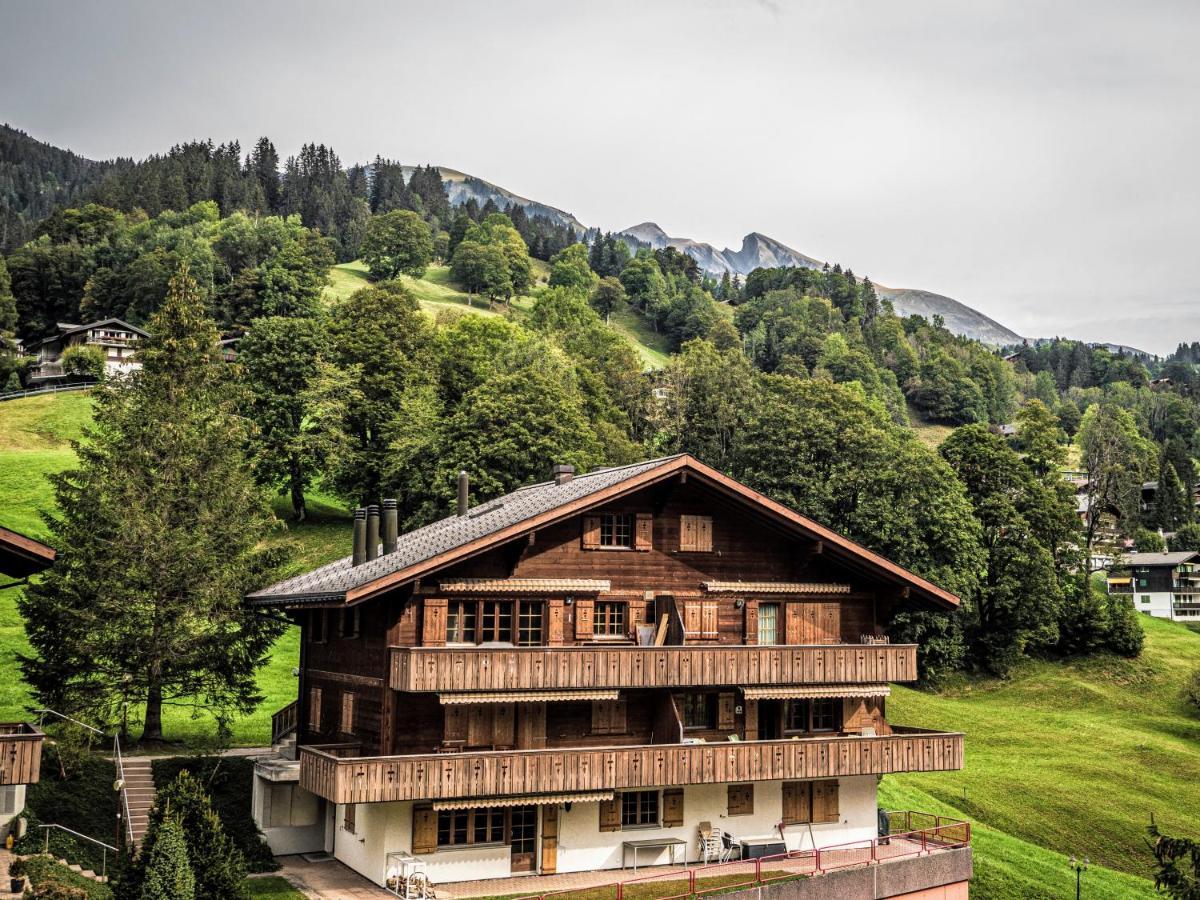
column 604, row 660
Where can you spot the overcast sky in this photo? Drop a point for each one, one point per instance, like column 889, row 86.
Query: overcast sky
column 1035, row 160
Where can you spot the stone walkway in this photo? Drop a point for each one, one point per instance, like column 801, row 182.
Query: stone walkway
column 329, row 880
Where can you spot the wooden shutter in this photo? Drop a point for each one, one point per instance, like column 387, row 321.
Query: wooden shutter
column 424, row 830
column 829, row 626
column 791, row 622
column 751, row 635
column 504, row 729
column 610, row 814
column 725, row 714
column 797, row 802
column 704, row 534
column 433, row 633
column 583, row 620
column 672, row 811
column 708, row 618
column 751, row 720
column 456, row 722
column 347, row 712
column 695, row 534
column 740, row 800
column 608, row 717
column 643, row 538
column 314, row 709
column 825, row 801
column 687, row 534
column 479, row 725
column 350, row 817
column 691, row 618
column 549, row 840
column 531, row 726
column 554, row 623
column 591, row 532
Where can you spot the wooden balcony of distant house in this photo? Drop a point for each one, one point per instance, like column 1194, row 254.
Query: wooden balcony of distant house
column 440, row 669
column 338, row 774
column 20, row 753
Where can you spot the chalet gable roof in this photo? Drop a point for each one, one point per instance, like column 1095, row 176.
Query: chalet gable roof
column 1156, row 559
column 22, row 556
column 426, row 550
column 66, row 329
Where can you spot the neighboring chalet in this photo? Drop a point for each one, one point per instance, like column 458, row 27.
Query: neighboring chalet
column 20, row 743
column 595, row 666
column 117, row 339
column 1164, row 585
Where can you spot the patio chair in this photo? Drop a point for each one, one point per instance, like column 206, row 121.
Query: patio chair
column 730, row 849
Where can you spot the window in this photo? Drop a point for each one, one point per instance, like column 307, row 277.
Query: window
column 811, row 716
column 349, row 817
column 460, row 621
column 1145, row 598
column 768, row 623
column 699, row 711
column 496, row 621
column 608, row 619
column 639, row 808
column 529, row 623
column 616, row 530
column 351, row 619
column 316, row 625
column 463, row 827
column 347, row 723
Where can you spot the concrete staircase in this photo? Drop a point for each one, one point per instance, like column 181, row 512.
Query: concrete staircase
column 139, row 784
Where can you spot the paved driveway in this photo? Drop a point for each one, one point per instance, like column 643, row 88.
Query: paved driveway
column 329, row 880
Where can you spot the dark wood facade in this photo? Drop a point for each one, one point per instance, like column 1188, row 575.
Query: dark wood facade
column 630, row 628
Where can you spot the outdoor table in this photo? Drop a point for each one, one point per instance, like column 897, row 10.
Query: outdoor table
column 756, row 847
column 650, row 844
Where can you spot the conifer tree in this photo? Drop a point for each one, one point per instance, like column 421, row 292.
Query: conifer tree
column 158, row 539
column 168, row 876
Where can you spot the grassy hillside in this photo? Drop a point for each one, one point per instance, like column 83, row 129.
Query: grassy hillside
column 34, row 441
column 1073, row 757
column 435, row 292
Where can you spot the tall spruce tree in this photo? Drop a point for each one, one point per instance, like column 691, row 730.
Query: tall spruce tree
column 158, row 539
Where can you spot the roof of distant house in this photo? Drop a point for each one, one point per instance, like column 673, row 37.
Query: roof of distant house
column 1157, row 559
column 66, row 329
column 22, row 556
column 449, row 540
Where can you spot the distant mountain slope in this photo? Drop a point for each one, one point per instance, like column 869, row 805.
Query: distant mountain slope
column 462, row 187
column 760, row 251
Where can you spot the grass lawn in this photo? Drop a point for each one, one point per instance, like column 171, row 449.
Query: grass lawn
column 1072, row 757
column 653, row 348
column 272, row 887
column 34, row 435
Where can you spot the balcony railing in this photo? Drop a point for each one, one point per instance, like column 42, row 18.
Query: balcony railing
column 20, row 753
column 340, row 778
column 556, row 668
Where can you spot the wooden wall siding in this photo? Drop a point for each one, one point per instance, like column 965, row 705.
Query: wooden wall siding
column 744, row 548
column 554, row 668
column 367, row 708
column 20, row 753
column 464, row 775
column 362, row 655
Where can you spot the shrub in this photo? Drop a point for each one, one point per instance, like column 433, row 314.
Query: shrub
column 1125, row 636
column 1186, row 538
column 168, row 873
column 1147, row 541
column 1191, row 691
column 82, row 361
column 52, row 881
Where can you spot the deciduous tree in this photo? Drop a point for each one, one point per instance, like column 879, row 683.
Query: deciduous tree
column 397, row 242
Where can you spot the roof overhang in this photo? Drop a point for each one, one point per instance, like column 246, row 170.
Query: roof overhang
column 795, row 692
column 22, row 556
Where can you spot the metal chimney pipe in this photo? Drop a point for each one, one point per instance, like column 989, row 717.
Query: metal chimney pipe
column 372, row 532
column 464, row 487
column 391, row 526
column 359, row 555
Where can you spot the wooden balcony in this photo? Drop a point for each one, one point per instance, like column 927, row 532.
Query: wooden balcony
column 20, row 753
column 627, row 666
column 331, row 774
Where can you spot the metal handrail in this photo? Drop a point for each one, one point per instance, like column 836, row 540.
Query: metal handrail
column 120, row 760
column 54, row 389
column 104, row 847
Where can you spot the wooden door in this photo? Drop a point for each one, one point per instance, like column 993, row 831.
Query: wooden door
column 522, row 834
column 549, row 840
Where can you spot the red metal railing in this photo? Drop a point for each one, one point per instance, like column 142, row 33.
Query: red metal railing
column 912, row 834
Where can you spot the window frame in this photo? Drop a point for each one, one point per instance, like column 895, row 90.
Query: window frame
column 642, row 803
column 353, row 614
column 810, row 716
column 709, row 702
column 493, row 817
column 318, row 635
column 610, row 619
column 468, row 625
column 616, row 526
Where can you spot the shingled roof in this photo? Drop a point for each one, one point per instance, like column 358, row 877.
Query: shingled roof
column 424, row 551
column 22, row 556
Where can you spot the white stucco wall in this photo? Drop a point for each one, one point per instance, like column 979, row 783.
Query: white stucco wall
column 18, row 804
column 289, row 839
column 384, row 827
